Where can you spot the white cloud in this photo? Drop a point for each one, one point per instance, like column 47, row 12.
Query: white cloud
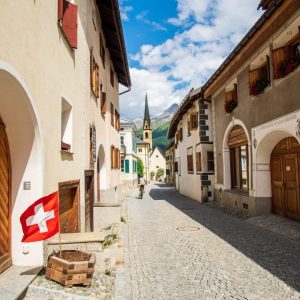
column 209, row 30
column 124, row 10
column 155, row 26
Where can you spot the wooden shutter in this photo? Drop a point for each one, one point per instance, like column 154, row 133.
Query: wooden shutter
column 194, row 120
column 112, row 157
column 69, row 25
column 279, row 57
column 198, row 162
column 103, row 103
column 254, row 75
column 97, row 81
column 126, row 166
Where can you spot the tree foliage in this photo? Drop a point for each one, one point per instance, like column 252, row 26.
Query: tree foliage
column 160, row 172
column 140, row 168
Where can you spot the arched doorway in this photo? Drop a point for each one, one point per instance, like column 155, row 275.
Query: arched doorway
column 239, row 158
column 5, row 201
column 285, row 178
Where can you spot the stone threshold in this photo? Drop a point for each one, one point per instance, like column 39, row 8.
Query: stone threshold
column 15, row 281
column 106, row 204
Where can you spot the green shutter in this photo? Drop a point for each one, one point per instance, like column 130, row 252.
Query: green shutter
column 126, row 166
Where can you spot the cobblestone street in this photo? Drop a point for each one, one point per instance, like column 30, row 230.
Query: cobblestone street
column 175, row 248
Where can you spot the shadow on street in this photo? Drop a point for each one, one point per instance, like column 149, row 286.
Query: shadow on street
column 274, row 252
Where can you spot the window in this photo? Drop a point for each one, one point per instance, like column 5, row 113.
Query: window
column 103, row 102
column 259, row 78
column 94, row 70
column 146, row 135
column 67, row 20
column 140, row 150
column 122, row 166
column 102, row 51
column 286, row 59
column 122, row 140
column 134, row 166
column 92, row 144
column 112, row 77
column 190, row 163
column 231, row 100
column 198, row 162
column 66, row 126
column 193, row 121
column 112, row 156
column 238, row 144
column 179, row 135
column 117, row 119
column 176, row 166
column 127, row 166
column 210, row 161
column 112, row 121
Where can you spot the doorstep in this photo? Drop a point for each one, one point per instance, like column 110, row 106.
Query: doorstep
column 15, row 280
column 81, row 237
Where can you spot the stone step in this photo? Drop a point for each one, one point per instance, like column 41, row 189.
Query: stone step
column 15, row 280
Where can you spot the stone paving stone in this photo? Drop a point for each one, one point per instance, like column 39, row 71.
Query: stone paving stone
column 229, row 257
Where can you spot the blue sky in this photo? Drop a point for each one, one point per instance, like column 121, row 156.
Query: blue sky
column 174, row 45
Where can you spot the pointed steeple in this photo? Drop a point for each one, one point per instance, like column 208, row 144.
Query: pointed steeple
column 147, row 114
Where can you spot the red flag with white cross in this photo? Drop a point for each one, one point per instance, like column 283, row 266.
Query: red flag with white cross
column 40, row 221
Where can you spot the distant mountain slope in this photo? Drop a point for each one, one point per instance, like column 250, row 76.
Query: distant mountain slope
column 160, row 125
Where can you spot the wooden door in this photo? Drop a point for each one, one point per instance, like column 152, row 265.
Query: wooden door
column 68, row 207
column 277, row 186
column 291, row 186
column 5, row 209
column 89, row 201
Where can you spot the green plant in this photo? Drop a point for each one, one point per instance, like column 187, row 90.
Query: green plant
column 111, row 239
column 123, row 220
column 160, row 172
column 140, row 168
column 152, row 174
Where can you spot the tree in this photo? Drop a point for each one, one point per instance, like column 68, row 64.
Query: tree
column 140, row 168
column 160, row 172
column 152, row 174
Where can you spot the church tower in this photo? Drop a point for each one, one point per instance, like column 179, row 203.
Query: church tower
column 147, row 131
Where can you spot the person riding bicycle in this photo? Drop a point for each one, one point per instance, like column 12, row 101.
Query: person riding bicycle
column 142, row 186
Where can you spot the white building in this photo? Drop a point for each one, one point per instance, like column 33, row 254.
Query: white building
column 191, row 126
column 128, row 140
column 55, row 131
column 157, row 161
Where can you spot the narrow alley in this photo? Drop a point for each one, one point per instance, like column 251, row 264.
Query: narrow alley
column 175, row 248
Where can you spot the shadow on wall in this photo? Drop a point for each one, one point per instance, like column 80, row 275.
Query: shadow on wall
column 274, row 252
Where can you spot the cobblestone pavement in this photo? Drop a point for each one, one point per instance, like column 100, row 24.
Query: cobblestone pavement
column 166, row 257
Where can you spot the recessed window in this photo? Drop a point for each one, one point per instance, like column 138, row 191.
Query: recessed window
column 93, row 154
column 122, row 140
column 112, row 77
column 103, row 102
column 112, row 111
column 198, row 161
column 122, row 166
column 190, row 162
column 66, row 126
column 102, row 51
column 210, row 161
column 140, row 150
column 94, row 70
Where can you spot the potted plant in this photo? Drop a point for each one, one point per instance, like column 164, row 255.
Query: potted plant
column 258, row 87
column 230, row 106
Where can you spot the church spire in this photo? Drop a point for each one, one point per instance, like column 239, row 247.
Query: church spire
column 147, row 119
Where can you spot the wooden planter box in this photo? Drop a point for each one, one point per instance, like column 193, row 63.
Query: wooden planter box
column 74, row 267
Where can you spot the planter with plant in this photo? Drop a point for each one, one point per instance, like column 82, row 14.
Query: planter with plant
column 258, row 86
column 230, row 106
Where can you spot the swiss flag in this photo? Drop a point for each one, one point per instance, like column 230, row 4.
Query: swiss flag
column 40, row 220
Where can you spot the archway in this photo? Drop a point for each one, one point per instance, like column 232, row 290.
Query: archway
column 237, row 156
column 285, row 173
column 25, row 148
